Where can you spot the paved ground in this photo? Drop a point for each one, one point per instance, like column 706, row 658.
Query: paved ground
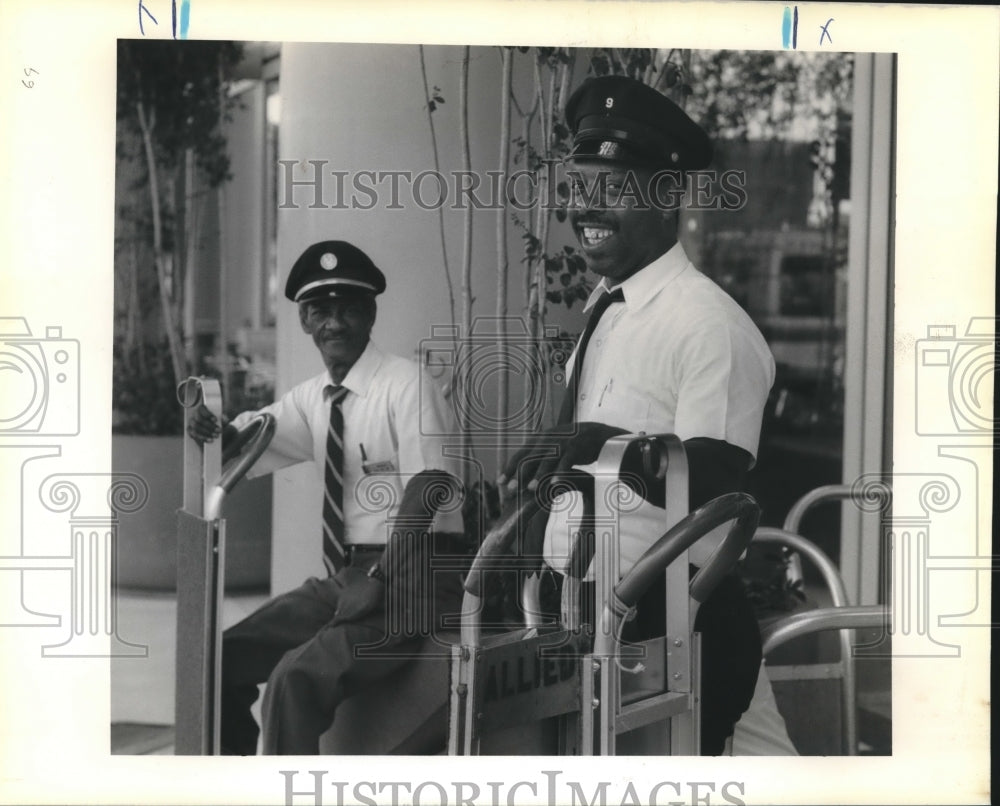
column 142, row 689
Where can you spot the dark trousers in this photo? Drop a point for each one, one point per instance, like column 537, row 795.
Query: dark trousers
column 730, row 653
column 310, row 665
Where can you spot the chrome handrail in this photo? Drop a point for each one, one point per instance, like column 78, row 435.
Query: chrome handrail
column 824, row 618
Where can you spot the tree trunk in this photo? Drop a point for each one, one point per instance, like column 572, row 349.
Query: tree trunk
column 503, row 392
column 535, row 291
column 133, row 340
column 223, row 266
column 437, row 169
column 159, row 257
column 464, row 396
column 191, row 234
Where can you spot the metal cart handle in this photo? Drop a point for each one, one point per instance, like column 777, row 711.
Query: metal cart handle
column 738, row 507
column 261, row 429
column 825, row 618
column 258, row 433
column 671, row 545
column 497, row 543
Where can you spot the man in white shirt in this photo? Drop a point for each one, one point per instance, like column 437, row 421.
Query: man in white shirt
column 666, row 351
column 364, row 422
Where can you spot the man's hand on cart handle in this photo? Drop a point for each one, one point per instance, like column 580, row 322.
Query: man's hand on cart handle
column 553, row 454
column 714, row 466
column 204, row 426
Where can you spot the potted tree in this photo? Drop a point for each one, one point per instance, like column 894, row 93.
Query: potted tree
column 171, row 165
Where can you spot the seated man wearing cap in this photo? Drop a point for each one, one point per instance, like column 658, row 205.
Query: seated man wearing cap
column 360, row 422
column 665, row 351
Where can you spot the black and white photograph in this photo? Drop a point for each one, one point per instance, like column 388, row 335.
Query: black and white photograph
column 466, row 405
column 294, row 182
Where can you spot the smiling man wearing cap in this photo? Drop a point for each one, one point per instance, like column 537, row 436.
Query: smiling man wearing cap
column 665, row 351
column 359, row 422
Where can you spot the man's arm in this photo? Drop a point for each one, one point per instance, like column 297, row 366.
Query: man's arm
column 406, row 559
column 423, row 496
column 714, row 468
column 292, row 441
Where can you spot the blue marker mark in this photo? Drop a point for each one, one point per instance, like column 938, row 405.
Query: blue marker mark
column 790, row 27
column 150, row 13
column 185, row 17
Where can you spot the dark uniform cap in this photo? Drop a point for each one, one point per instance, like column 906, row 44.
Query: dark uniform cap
column 333, row 269
column 620, row 119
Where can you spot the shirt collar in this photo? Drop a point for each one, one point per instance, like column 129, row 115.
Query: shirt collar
column 359, row 377
column 646, row 283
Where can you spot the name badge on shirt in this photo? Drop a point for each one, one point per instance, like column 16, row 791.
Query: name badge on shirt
column 385, row 466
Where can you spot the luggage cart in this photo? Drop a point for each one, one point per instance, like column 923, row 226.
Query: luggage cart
column 566, row 680
column 845, row 619
column 201, row 535
column 840, row 616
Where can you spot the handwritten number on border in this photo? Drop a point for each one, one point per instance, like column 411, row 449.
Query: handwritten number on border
column 28, row 71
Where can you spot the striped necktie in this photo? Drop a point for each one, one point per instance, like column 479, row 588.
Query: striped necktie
column 568, row 409
column 334, row 553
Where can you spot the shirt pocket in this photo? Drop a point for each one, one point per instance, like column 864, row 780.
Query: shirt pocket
column 625, row 405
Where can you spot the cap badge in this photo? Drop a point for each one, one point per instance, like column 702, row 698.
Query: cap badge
column 328, row 261
column 609, row 102
column 607, row 148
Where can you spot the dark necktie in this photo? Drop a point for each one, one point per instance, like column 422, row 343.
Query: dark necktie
column 334, row 553
column 568, row 409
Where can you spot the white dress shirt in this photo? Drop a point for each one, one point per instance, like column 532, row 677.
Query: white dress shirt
column 395, row 415
column 678, row 356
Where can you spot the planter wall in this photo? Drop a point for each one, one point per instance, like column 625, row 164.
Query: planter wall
column 147, row 539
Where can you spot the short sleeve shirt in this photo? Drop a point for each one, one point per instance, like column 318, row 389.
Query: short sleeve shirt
column 396, row 422
column 678, row 356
